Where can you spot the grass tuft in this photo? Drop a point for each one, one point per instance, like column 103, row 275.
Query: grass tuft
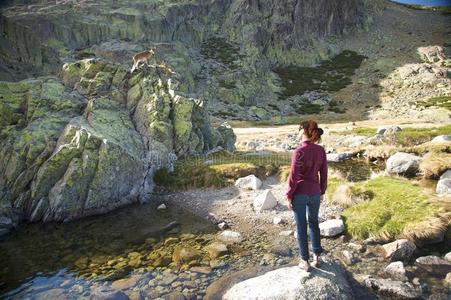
column 396, row 207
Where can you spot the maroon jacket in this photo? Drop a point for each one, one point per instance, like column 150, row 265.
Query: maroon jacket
column 308, row 161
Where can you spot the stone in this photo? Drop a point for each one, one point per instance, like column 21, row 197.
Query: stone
column 223, row 225
column 396, row 271
column 292, row 283
column 171, row 241
column 402, row 163
column 281, row 249
column 388, row 287
column 175, row 296
column 186, row 254
column 388, row 130
column 399, row 250
column 441, row 139
column 448, row 256
column 127, row 283
column 161, row 207
column 230, row 237
column 201, row 270
column 250, row 182
column 265, row 201
column 277, row 220
column 338, row 157
column 434, row 265
column 444, row 184
column 216, row 250
column 286, row 233
column 347, row 257
column 447, row 280
column 106, row 293
column 332, row 227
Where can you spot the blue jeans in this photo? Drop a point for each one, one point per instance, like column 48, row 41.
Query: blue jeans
column 303, row 204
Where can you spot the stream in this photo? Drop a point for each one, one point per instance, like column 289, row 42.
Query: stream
column 134, row 247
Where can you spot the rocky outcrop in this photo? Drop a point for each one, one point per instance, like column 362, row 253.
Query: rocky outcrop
column 294, row 283
column 90, row 142
column 225, row 50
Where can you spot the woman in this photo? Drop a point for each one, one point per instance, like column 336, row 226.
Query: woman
column 306, row 189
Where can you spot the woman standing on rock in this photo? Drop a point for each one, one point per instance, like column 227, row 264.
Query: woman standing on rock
column 306, row 187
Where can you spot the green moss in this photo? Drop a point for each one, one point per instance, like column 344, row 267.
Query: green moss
column 396, row 204
column 444, row 102
column 306, row 108
column 330, row 75
column 218, row 48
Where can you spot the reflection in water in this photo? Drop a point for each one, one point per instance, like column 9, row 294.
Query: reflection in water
column 42, row 254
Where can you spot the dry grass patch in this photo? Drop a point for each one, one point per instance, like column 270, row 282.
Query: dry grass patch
column 435, row 164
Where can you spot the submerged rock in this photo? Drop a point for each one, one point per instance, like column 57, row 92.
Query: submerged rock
column 294, row 283
column 391, row 288
column 230, row 237
column 434, row 265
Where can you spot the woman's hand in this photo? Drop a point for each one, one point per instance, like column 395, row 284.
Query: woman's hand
column 290, row 204
column 321, row 198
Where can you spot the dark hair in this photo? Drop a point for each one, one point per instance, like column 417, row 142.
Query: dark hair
column 311, row 130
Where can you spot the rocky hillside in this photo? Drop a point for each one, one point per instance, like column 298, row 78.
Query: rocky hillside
column 225, row 50
column 90, row 142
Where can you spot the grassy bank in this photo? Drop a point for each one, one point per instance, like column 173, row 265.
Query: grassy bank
column 406, row 137
column 395, row 209
column 221, row 170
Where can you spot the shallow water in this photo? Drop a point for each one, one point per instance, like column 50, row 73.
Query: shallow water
column 42, row 256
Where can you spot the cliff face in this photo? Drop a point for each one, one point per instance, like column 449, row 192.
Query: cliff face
column 91, row 141
column 225, row 50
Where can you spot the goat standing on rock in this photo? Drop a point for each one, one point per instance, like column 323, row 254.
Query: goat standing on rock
column 142, row 57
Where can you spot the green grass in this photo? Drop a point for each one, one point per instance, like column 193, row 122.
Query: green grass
column 330, row 75
column 416, row 136
column 396, row 204
column 225, row 169
column 444, row 102
column 406, row 137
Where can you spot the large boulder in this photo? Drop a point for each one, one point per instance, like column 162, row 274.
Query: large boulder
column 291, row 283
column 265, row 201
column 441, row 139
column 399, row 250
column 444, row 184
column 402, row 163
column 331, row 227
column 250, row 182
